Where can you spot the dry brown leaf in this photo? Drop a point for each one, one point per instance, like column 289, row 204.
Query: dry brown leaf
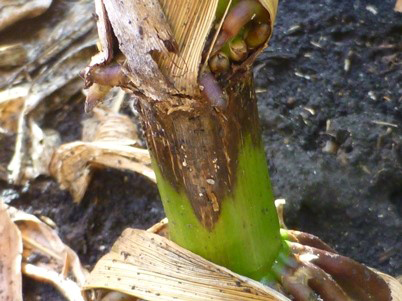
column 46, row 257
column 115, row 146
column 161, row 228
column 398, row 6
column 72, row 163
column 10, row 258
column 151, row 267
column 12, row 11
column 272, row 7
column 395, row 285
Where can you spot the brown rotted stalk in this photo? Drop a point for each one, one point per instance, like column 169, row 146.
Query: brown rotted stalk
column 210, row 162
column 358, row 281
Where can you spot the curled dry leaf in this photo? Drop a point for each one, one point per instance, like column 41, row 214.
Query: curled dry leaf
column 160, row 228
column 12, row 11
column 280, row 207
column 151, row 267
column 114, row 146
column 46, row 257
column 10, row 258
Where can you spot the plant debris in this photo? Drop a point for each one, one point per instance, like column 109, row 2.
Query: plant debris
column 35, row 250
column 114, row 145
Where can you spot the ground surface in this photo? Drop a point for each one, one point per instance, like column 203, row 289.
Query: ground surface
column 349, row 195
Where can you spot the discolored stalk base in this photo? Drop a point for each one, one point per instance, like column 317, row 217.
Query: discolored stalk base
column 213, row 179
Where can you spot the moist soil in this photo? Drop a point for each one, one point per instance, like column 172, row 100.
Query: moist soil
column 329, row 90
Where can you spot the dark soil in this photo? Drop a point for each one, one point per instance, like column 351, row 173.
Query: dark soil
column 351, row 196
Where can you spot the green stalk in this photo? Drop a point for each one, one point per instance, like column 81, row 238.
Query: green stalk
column 246, row 237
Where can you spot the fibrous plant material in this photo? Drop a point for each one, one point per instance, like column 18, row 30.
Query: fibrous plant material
column 12, row 55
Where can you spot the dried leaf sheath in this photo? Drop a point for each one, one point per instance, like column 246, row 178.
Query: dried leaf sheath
column 190, row 26
column 166, row 271
column 142, row 32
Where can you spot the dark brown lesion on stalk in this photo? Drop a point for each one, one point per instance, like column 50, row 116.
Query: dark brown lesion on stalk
column 197, row 149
